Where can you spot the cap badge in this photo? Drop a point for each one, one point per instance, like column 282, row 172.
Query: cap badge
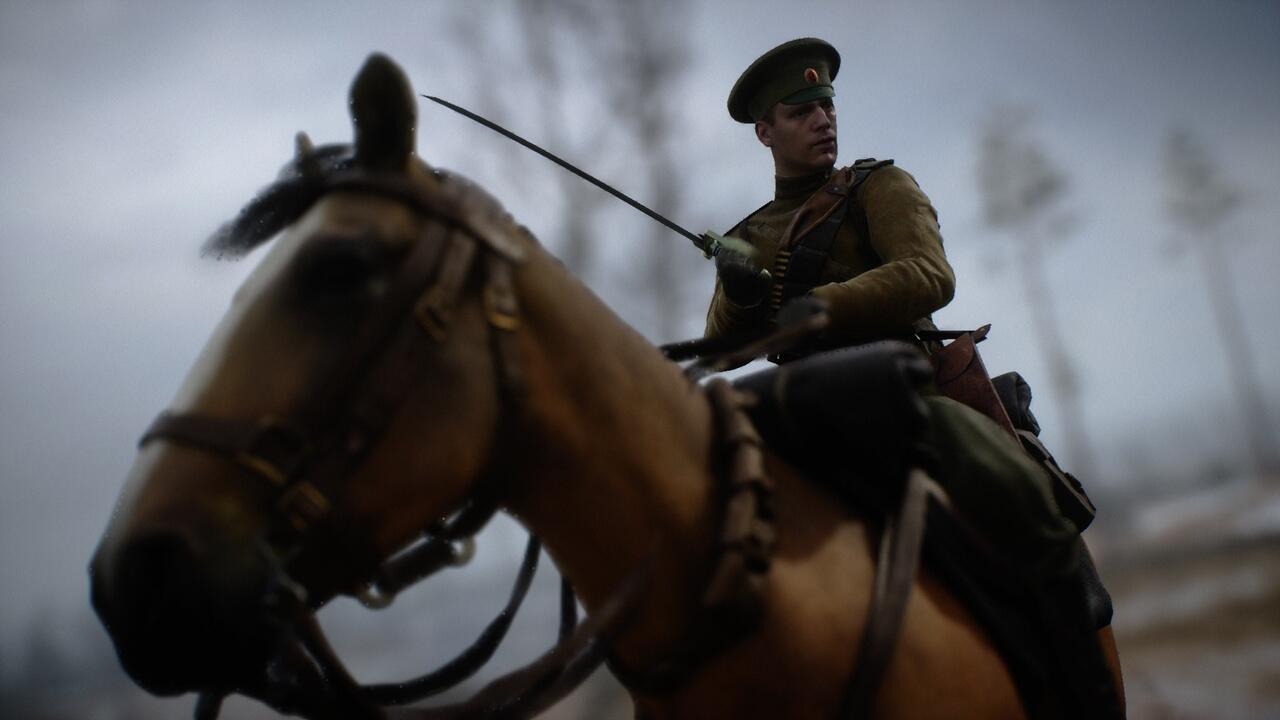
column 811, row 76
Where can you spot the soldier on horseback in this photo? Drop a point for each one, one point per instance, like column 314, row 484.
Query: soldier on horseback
column 404, row 326
column 863, row 242
column 863, row 239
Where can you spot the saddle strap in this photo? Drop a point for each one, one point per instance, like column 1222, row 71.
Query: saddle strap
column 896, row 566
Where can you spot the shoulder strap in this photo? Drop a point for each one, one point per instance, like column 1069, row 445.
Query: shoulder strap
column 806, row 244
column 865, row 165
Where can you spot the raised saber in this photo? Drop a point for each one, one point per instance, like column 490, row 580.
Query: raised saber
column 709, row 243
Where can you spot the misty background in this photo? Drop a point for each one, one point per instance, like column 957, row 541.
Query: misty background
column 1106, row 175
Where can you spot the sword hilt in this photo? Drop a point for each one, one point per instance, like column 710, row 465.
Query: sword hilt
column 712, row 244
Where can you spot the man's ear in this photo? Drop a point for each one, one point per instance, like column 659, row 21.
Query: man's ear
column 764, row 133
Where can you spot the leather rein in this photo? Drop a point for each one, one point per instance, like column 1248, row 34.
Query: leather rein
column 306, row 458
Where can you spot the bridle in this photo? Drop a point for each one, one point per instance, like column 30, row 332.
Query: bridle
column 306, row 458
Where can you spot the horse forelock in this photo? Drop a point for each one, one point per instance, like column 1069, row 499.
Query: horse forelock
column 299, row 184
column 384, row 115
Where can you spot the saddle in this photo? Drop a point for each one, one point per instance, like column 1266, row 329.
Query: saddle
column 853, row 419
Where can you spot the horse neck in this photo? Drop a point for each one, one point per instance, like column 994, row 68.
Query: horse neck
column 616, row 456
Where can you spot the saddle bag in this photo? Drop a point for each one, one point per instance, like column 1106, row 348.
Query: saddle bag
column 1006, row 399
column 858, row 405
column 962, row 376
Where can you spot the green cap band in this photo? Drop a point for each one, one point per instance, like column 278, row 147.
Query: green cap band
column 816, row 92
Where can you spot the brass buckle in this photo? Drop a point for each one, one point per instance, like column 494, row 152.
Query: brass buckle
column 262, row 467
column 303, row 504
column 433, row 313
column 499, row 309
column 275, row 452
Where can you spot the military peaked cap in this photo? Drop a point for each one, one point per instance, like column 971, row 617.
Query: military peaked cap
column 794, row 72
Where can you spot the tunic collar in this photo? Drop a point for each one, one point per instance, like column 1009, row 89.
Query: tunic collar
column 803, row 186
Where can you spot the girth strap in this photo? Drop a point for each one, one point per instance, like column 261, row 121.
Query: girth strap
column 896, row 567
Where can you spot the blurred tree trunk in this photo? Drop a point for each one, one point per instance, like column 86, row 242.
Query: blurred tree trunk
column 540, row 20
column 1031, row 268
column 599, row 82
column 654, row 52
column 1021, row 190
column 1200, row 202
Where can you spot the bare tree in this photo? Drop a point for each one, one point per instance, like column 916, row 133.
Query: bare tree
column 652, row 45
column 1200, row 202
column 1022, row 192
column 596, row 82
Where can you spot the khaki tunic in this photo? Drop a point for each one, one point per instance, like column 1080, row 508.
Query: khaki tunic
column 883, row 279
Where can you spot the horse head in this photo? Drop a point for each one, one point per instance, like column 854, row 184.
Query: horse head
column 292, row 460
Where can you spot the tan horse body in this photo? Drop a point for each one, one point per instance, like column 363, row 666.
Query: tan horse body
column 621, row 453
column 612, row 458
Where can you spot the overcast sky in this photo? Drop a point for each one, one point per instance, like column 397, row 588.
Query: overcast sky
column 129, row 131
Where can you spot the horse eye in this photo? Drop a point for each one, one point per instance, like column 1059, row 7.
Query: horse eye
column 340, row 266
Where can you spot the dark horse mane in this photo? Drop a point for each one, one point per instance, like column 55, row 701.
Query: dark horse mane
column 384, row 142
column 299, row 184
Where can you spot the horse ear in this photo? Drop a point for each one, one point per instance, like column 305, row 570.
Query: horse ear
column 384, row 113
column 308, row 165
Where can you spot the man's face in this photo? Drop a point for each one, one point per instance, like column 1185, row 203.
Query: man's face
column 801, row 137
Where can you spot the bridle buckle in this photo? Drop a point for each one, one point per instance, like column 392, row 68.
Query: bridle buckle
column 275, row 451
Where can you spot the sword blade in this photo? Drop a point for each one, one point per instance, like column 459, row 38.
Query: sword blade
column 698, row 241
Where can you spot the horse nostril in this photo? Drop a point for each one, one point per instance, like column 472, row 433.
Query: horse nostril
column 153, row 603
column 183, row 612
column 151, row 574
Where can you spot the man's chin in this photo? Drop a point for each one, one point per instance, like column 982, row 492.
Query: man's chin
column 822, row 165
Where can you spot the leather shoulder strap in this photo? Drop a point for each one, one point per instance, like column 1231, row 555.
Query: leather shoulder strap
column 842, row 185
column 865, row 165
column 807, row 242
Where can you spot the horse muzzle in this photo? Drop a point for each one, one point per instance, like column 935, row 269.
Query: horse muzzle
column 184, row 615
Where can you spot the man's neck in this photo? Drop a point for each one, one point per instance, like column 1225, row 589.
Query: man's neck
column 800, row 170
